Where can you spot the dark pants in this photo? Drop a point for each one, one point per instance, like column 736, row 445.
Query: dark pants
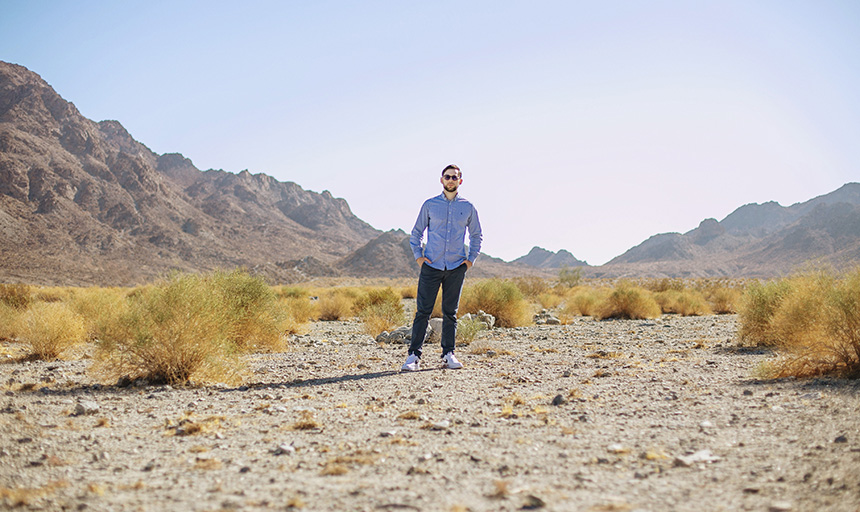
column 428, row 287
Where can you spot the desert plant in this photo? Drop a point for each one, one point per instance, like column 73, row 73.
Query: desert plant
column 253, row 308
column 815, row 325
column 380, row 310
column 468, row 329
column 724, row 300
column 50, row 329
column 502, row 299
column 335, row 305
column 16, row 296
column 756, row 310
column 629, row 302
column 176, row 330
column 582, row 301
column 101, row 308
column 531, row 286
column 684, row 302
column 549, row 300
column 570, row 277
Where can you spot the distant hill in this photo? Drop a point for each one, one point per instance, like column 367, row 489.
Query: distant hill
column 755, row 240
column 84, row 203
column 542, row 258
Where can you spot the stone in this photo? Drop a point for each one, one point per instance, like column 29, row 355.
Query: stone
column 532, row 502
column 841, row 439
column 284, row 449
column 85, row 407
column 546, row 318
column 687, row 461
column 441, row 425
column 558, row 400
column 779, row 506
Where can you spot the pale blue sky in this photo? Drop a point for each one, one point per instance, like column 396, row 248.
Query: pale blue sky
column 585, row 126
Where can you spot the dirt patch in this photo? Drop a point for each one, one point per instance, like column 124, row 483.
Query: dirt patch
column 614, row 415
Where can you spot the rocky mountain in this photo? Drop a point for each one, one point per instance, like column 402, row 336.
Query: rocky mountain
column 756, row 240
column 542, row 258
column 84, row 203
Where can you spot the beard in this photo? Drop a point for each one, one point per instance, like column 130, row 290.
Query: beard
column 452, row 186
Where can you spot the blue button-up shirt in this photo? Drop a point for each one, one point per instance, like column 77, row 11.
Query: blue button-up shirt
column 446, row 223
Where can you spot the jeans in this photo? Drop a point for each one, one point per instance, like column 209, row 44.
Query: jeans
column 428, row 287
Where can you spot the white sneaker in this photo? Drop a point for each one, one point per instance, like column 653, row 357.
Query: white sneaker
column 411, row 364
column 451, row 361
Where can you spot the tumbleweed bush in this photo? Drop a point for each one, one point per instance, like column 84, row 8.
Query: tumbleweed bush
column 627, row 301
column 756, row 310
column 51, row 329
column 502, row 299
column 177, row 330
column 468, row 329
column 17, row 296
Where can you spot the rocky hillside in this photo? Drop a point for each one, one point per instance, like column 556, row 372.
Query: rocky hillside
column 542, row 258
column 755, row 240
column 84, row 203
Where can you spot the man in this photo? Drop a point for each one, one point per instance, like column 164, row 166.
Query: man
column 443, row 261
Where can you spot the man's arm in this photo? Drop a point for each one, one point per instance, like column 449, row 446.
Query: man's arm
column 475, row 238
column 421, row 224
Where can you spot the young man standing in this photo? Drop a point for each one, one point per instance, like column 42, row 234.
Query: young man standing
column 443, row 261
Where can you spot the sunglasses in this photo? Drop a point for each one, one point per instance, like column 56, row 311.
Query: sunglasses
column 450, row 177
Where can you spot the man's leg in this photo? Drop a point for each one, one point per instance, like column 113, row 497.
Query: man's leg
column 451, row 288
column 428, row 287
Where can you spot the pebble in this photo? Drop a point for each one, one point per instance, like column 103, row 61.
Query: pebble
column 779, row 506
column 700, row 456
column 558, row 400
column 841, row 439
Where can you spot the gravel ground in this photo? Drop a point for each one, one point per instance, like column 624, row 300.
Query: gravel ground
column 652, row 415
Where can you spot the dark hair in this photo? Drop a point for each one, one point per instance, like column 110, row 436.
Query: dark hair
column 452, row 166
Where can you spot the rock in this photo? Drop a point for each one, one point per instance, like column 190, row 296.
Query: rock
column 400, row 335
column 558, row 400
column 488, row 319
column 284, row 449
column 532, row 502
column 85, row 407
column 687, row 461
column 546, row 318
column 841, row 439
column 434, row 330
column 617, row 449
column 779, row 506
column 441, row 425
column 388, row 433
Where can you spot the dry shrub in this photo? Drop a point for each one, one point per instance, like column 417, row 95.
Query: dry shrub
column 664, row 284
column 582, row 301
column 724, row 300
column 757, row 307
column 23, row 497
column 629, row 302
column 51, row 328
column 335, row 305
column 293, row 292
column 685, row 302
column 254, row 312
column 380, row 310
column 16, row 296
column 815, row 324
column 549, row 300
column 486, row 347
column 174, row 331
column 9, row 321
column 531, row 286
column 299, row 311
column 502, row 299
column 409, row 292
column 101, row 308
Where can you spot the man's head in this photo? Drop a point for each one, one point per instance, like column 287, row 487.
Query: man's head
column 452, row 178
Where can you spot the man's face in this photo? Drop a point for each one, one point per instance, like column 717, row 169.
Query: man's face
column 451, row 180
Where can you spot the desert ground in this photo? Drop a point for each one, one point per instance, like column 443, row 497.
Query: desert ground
column 650, row 415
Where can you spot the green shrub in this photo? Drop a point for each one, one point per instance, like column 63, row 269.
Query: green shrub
column 570, row 277
column 468, row 329
column 684, row 302
column 629, row 302
column 502, row 299
column 531, row 286
column 50, row 329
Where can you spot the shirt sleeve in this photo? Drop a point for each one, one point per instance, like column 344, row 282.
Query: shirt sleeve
column 475, row 236
column 418, row 230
